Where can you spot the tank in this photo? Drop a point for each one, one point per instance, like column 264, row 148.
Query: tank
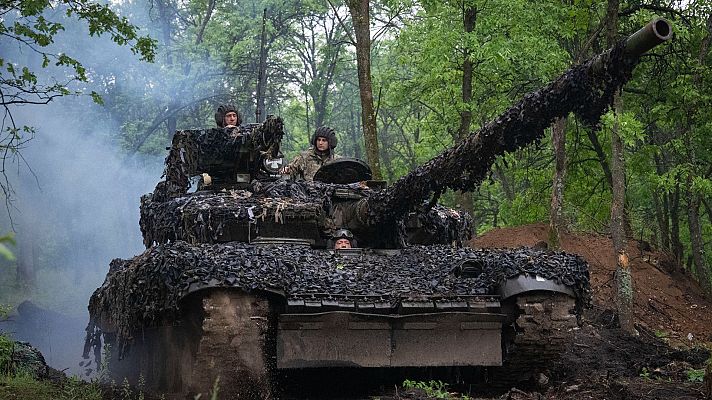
column 240, row 282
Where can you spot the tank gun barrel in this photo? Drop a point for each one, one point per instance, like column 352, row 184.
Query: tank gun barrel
column 586, row 89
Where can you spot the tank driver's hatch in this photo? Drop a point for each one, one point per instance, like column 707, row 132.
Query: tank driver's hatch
column 343, row 171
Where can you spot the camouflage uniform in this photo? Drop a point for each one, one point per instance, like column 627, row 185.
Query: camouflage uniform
column 308, row 162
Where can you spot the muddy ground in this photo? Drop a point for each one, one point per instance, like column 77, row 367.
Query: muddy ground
column 673, row 319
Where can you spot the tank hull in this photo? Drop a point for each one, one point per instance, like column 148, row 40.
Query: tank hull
column 241, row 342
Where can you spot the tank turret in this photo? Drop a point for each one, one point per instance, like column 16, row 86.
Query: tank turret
column 238, row 281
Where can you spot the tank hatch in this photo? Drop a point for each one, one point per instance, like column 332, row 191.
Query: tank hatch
column 343, row 171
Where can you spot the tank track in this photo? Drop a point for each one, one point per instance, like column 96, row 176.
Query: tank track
column 541, row 333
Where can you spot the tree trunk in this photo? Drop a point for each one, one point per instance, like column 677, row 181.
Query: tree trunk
column 504, row 181
column 661, row 208
column 469, row 20
column 204, row 24
column 306, row 103
column 624, row 280
column 693, row 218
column 662, row 221
column 353, row 128
column 262, row 72
column 601, row 155
column 557, row 225
column 675, row 242
column 709, row 209
column 386, row 140
column 359, row 14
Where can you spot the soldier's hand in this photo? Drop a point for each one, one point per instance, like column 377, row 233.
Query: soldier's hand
column 285, row 170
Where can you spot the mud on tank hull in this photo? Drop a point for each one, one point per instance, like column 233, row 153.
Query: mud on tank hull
column 245, row 312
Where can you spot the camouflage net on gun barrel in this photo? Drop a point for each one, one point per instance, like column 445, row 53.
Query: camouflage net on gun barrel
column 147, row 289
column 587, row 90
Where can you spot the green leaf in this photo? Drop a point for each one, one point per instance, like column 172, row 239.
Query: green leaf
column 97, row 98
column 5, row 252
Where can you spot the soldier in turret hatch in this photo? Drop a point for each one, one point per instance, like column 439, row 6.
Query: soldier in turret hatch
column 226, row 117
column 306, row 164
column 343, row 239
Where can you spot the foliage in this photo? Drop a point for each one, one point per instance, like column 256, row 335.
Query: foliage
column 645, row 373
column 695, row 375
column 5, row 252
column 29, row 30
column 662, row 335
column 432, row 389
column 206, row 56
column 6, row 348
column 28, row 24
column 26, row 387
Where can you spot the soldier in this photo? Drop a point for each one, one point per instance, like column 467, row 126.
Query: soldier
column 343, row 239
column 227, row 116
column 309, row 161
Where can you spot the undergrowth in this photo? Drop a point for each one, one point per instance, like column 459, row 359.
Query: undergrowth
column 433, row 389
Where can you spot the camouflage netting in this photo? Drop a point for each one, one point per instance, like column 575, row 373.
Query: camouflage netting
column 585, row 89
column 203, row 217
column 147, row 289
column 442, row 225
column 197, row 151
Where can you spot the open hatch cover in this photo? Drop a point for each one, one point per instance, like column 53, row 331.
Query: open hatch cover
column 343, row 171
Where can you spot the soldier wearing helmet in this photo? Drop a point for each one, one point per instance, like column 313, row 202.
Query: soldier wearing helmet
column 227, row 116
column 306, row 164
column 343, row 239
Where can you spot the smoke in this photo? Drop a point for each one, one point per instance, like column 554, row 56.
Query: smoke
column 78, row 185
column 76, row 207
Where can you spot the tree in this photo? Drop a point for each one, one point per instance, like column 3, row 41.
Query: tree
column 359, row 10
column 469, row 19
column 624, row 280
column 32, row 27
column 557, row 224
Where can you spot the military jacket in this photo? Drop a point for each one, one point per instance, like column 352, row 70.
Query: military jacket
column 308, row 162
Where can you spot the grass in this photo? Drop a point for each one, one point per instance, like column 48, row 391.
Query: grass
column 433, row 389
column 26, row 387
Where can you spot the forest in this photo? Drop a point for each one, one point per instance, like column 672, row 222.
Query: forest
column 93, row 92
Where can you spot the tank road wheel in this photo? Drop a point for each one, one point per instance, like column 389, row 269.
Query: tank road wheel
column 541, row 332
column 236, row 347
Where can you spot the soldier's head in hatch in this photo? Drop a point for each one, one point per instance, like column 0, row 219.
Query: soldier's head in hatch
column 343, row 239
column 227, row 116
column 324, row 139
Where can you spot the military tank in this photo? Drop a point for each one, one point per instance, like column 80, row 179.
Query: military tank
column 239, row 281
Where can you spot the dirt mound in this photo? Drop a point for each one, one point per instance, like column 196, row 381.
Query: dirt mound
column 667, row 302
column 672, row 317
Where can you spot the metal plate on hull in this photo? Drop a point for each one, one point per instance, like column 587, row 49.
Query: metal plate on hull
column 348, row 339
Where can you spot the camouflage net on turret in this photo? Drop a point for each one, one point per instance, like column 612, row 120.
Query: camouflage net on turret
column 204, row 217
column 147, row 289
column 201, row 217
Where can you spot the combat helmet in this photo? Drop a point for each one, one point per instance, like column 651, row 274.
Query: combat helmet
column 327, row 133
column 224, row 109
column 342, row 233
